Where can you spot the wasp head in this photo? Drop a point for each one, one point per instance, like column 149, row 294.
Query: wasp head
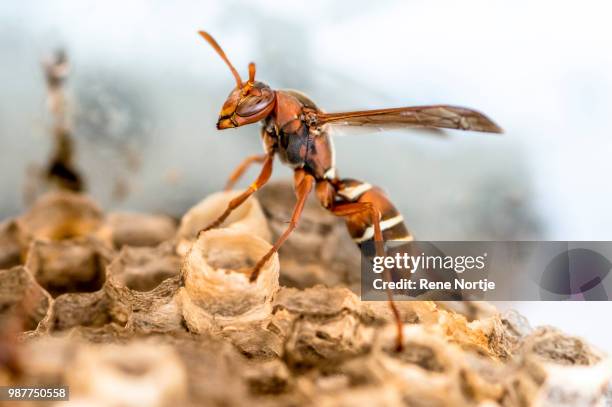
column 249, row 101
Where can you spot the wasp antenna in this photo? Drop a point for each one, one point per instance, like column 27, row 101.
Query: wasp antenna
column 219, row 50
column 252, row 72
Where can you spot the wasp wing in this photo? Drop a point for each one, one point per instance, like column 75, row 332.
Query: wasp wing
column 341, row 130
column 436, row 116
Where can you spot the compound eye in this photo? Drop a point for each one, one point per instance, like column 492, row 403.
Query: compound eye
column 252, row 104
column 231, row 102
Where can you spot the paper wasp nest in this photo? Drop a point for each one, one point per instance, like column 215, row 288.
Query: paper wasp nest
column 139, row 374
column 140, row 315
column 248, row 218
column 21, row 296
column 217, row 289
column 75, row 265
column 64, row 215
column 141, row 286
column 140, row 229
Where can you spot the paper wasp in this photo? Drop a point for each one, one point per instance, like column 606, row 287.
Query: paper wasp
column 296, row 130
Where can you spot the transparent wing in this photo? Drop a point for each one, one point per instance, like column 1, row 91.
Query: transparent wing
column 436, row 116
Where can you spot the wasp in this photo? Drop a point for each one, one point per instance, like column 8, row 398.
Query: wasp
column 298, row 132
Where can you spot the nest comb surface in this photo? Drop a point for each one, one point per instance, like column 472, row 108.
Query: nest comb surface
column 112, row 325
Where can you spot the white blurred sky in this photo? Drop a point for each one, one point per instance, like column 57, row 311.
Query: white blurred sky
column 542, row 69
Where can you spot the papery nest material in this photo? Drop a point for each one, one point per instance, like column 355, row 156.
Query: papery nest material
column 140, row 229
column 75, row 265
column 248, row 218
column 23, row 298
column 434, row 369
column 474, row 336
column 64, row 215
column 560, row 370
column 321, row 326
column 144, row 268
column 13, row 244
column 141, row 374
column 142, row 283
column 75, row 310
column 429, row 371
column 217, row 291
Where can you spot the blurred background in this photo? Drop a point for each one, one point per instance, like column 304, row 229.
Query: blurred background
column 145, row 92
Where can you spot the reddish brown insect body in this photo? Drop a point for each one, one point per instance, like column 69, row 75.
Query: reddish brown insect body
column 298, row 132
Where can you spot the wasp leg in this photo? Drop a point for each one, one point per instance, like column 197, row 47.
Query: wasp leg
column 351, row 209
column 303, row 186
column 241, row 169
column 264, row 176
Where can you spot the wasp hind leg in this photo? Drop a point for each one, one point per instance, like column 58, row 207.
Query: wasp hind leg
column 369, row 216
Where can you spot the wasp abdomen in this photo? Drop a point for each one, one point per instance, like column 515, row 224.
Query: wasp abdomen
column 360, row 224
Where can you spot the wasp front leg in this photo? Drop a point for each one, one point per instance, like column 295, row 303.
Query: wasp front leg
column 241, row 169
column 262, row 179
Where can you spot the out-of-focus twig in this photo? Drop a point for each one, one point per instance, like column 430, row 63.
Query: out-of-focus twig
column 56, row 71
column 60, row 170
